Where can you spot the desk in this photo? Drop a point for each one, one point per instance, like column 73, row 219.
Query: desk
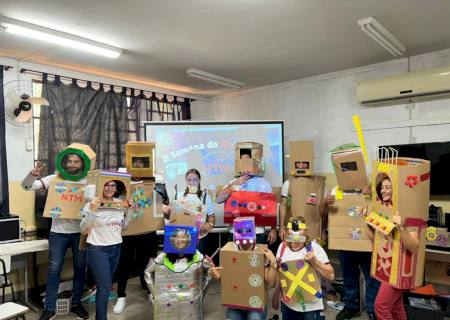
column 12, row 310
column 22, row 248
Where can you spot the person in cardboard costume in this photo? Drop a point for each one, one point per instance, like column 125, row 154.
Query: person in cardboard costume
column 103, row 221
column 249, row 173
column 197, row 201
column 139, row 245
column 72, row 165
column 247, row 272
column 178, row 277
column 303, row 193
column 396, row 225
column 346, row 229
column 300, row 262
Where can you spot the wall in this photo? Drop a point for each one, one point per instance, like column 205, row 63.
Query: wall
column 321, row 108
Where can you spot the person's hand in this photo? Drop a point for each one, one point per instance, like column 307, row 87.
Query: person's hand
column 367, row 191
column 95, row 204
column 214, row 272
column 363, row 211
column 127, row 203
column 276, row 299
column 38, row 169
column 269, row 256
column 310, row 257
column 166, row 209
column 397, row 220
column 272, row 236
column 241, row 180
column 329, row 199
column 282, row 233
column 206, row 227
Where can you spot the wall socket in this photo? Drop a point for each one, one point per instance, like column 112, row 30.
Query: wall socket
column 29, row 144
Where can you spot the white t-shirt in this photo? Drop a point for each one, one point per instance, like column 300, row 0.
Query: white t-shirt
column 290, row 255
column 105, row 225
column 58, row 225
column 193, row 200
column 257, row 184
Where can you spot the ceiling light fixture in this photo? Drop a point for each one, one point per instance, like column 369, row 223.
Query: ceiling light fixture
column 199, row 74
column 382, row 36
column 57, row 37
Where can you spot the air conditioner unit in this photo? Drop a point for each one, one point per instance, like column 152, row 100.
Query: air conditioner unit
column 420, row 85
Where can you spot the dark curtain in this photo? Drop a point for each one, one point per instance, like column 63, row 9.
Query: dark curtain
column 97, row 118
column 4, row 193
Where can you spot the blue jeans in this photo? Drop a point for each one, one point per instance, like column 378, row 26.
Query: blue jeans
column 352, row 262
column 289, row 314
column 240, row 314
column 58, row 243
column 103, row 261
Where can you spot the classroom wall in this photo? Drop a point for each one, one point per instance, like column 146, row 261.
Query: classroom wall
column 320, row 108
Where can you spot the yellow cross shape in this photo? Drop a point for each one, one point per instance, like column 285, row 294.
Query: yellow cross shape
column 297, row 281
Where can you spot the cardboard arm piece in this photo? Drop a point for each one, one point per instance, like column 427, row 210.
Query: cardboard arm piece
column 206, row 264
column 149, row 274
column 28, row 182
column 160, row 188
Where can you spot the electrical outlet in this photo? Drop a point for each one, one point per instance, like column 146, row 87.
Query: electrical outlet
column 29, row 145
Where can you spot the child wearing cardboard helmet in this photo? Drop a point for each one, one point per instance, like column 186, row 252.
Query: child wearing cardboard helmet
column 244, row 251
column 298, row 255
column 173, row 277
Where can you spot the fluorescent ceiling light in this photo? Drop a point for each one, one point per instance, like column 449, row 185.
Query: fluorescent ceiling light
column 382, row 36
column 57, row 37
column 199, row 74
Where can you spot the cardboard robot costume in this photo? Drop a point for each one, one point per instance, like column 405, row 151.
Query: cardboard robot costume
column 177, row 287
column 65, row 188
column 306, row 191
column 147, row 195
column 401, row 185
column 346, row 229
column 251, row 199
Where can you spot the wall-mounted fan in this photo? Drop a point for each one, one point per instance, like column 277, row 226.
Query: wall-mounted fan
column 19, row 102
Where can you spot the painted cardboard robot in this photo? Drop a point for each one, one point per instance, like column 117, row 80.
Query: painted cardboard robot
column 346, row 229
column 65, row 196
column 177, row 288
column 261, row 205
column 401, row 185
column 147, row 196
column 306, row 191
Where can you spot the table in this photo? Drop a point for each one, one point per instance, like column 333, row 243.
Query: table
column 11, row 310
column 22, row 248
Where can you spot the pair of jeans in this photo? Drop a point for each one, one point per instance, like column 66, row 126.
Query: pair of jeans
column 135, row 251
column 389, row 303
column 103, row 261
column 352, row 262
column 289, row 314
column 240, row 314
column 58, row 243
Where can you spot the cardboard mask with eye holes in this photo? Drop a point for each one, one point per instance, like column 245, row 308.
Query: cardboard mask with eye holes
column 301, row 158
column 180, row 239
column 244, row 230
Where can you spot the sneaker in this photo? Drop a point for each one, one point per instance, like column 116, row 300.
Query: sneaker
column 120, row 305
column 79, row 311
column 347, row 314
column 336, row 305
column 47, row 315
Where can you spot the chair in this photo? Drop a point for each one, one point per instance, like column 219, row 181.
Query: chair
column 5, row 268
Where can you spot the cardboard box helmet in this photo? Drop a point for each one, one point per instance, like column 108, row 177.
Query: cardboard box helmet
column 180, row 239
column 248, row 158
column 140, row 159
column 75, row 161
column 107, row 182
column 349, row 166
column 301, row 155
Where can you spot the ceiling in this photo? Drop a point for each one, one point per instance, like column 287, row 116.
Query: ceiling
column 259, row 42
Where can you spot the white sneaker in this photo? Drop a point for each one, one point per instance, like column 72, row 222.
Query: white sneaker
column 337, row 305
column 120, row 305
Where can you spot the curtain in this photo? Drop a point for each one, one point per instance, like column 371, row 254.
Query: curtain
column 97, row 118
column 154, row 109
column 4, row 192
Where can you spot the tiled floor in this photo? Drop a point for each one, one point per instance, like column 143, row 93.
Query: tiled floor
column 139, row 308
